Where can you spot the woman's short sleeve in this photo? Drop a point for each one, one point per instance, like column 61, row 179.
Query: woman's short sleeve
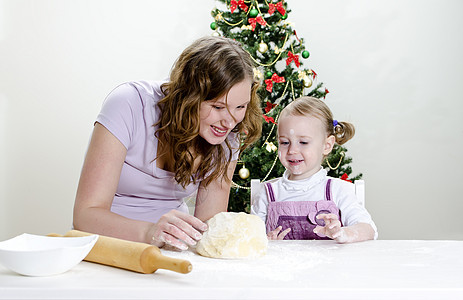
column 117, row 113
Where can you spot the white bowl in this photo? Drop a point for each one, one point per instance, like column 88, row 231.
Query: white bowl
column 36, row 255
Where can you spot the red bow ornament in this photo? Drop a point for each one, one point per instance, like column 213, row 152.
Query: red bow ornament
column 292, row 57
column 344, row 177
column 314, row 74
column 278, row 6
column 269, row 119
column 269, row 106
column 275, row 78
column 254, row 21
column 234, row 4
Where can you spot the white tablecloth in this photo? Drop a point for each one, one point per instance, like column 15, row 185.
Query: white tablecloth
column 291, row 270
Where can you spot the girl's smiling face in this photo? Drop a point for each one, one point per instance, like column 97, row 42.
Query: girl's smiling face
column 302, row 145
column 219, row 116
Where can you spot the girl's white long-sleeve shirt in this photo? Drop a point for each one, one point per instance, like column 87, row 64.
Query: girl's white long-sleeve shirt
column 313, row 189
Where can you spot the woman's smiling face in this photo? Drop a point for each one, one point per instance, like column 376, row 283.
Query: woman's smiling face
column 219, row 116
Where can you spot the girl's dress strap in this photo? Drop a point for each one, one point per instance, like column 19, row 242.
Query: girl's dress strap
column 328, row 190
column 270, row 193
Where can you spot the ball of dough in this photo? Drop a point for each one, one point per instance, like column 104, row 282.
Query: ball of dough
column 234, row 235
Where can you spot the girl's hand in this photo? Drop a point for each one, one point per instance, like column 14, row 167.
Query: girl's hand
column 176, row 229
column 349, row 234
column 332, row 228
column 277, row 235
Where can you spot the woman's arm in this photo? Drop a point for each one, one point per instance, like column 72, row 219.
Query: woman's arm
column 214, row 198
column 97, row 187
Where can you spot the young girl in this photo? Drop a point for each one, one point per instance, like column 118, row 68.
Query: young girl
column 305, row 203
column 156, row 142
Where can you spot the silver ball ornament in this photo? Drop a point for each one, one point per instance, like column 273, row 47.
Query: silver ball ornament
column 262, row 47
column 244, row 173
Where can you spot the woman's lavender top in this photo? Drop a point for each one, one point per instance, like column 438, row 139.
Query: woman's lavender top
column 145, row 192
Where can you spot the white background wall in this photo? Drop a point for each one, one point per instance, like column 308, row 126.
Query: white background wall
column 393, row 68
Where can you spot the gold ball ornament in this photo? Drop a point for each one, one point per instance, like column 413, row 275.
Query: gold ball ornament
column 258, row 74
column 244, row 173
column 307, row 81
column 262, row 47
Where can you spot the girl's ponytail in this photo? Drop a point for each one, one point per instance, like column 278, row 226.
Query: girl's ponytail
column 343, row 131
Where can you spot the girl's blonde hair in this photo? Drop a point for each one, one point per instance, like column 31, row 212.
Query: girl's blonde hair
column 205, row 71
column 310, row 106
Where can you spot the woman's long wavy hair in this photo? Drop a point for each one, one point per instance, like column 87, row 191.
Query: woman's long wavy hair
column 205, row 71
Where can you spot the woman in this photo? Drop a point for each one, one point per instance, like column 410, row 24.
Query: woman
column 155, row 143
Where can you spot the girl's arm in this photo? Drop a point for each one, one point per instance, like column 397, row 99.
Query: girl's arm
column 259, row 207
column 355, row 233
column 213, row 198
column 97, row 187
column 358, row 223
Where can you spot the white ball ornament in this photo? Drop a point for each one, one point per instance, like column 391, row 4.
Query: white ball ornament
column 244, row 173
column 262, row 47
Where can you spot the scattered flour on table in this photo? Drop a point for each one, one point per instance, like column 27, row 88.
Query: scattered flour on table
column 284, row 261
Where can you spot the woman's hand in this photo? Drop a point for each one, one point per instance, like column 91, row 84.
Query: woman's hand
column 277, row 235
column 332, row 228
column 176, row 229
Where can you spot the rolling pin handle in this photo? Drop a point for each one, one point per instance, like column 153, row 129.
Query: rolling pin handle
column 138, row 257
column 153, row 259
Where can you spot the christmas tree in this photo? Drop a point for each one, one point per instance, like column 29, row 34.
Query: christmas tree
column 265, row 32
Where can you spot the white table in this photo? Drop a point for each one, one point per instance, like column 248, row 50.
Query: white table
column 291, row 270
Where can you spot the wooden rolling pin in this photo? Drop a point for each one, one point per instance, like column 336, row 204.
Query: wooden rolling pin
column 138, row 257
